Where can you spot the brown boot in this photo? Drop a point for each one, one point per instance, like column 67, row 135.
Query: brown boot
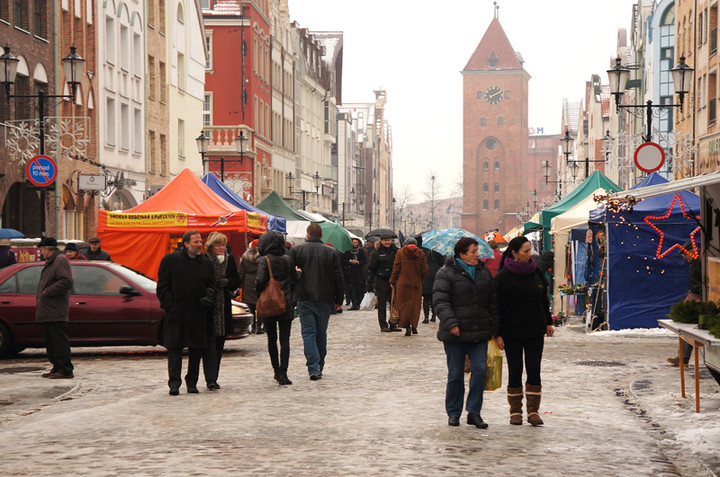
column 515, row 399
column 533, row 394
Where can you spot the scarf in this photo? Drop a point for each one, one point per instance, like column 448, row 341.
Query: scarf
column 520, row 268
column 470, row 269
column 219, row 272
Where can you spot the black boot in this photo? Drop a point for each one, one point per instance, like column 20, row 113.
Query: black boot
column 426, row 320
column 283, row 379
column 407, row 331
column 433, row 319
column 414, row 330
column 276, row 376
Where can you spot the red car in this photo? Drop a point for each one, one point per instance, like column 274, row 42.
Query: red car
column 110, row 305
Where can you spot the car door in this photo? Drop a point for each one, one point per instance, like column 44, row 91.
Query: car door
column 17, row 305
column 99, row 313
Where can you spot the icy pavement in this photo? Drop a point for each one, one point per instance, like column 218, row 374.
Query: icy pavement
column 611, row 406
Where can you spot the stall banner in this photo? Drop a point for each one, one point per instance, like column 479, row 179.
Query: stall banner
column 148, row 220
column 254, row 220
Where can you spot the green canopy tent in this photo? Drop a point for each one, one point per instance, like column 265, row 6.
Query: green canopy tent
column 596, row 180
column 276, row 205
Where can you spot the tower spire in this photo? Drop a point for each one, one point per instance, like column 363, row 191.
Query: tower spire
column 497, row 10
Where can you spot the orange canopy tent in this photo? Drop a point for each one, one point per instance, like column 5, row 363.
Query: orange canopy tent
column 140, row 237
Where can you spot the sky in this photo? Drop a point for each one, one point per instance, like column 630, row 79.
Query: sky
column 416, row 49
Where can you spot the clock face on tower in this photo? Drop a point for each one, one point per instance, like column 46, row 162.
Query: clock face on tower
column 493, row 94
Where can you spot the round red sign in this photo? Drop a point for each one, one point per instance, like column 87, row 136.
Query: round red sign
column 649, row 157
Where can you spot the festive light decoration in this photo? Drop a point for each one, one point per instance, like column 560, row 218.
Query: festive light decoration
column 659, row 253
column 617, row 204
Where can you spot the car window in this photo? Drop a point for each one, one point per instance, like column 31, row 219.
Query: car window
column 141, row 280
column 9, row 285
column 28, row 279
column 96, row 281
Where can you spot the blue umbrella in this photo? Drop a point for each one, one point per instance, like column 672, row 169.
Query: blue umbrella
column 10, row 234
column 443, row 241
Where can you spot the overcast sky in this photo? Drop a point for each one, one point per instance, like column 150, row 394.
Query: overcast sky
column 415, row 50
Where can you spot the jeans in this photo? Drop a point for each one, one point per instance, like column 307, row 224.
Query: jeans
column 455, row 389
column 314, row 319
column 533, row 348
column 57, row 346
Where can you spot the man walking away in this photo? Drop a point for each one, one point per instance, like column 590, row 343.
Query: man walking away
column 319, row 289
column 95, row 252
column 53, row 303
column 185, row 291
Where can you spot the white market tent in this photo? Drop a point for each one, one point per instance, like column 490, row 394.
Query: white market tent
column 560, row 227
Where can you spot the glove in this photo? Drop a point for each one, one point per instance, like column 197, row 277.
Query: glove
column 223, row 282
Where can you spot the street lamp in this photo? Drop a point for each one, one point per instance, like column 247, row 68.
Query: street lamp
column 606, row 143
column 534, row 196
column 290, row 179
column 316, row 181
column 566, row 144
column 203, row 142
column 546, row 166
column 619, row 74
column 74, row 69
column 239, row 144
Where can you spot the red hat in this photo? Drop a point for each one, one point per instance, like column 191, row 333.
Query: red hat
column 329, row 244
column 254, row 243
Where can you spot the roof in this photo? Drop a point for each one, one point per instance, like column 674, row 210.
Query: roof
column 494, row 47
column 672, row 186
column 274, row 204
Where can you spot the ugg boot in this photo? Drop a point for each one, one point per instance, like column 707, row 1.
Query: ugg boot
column 515, row 399
column 533, row 393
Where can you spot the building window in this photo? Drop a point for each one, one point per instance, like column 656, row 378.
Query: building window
column 137, row 55
column 124, row 48
column 486, row 188
column 181, row 138
column 208, row 45
column 151, row 13
column 507, row 93
column 497, row 187
column 110, row 121
column 125, row 127
column 483, row 121
column 5, row 11
column 485, row 204
column 152, row 78
column 207, row 110
column 110, row 40
column 20, row 14
column 137, row 131
column 163, row 155
column 40, row 18
column 486, row 166
column 161, row 19
column 497, row 165
column 491, row 144
column 163, row 82
column 497, row 204
column 500, row 121
column 182, row 77
column 151, row 154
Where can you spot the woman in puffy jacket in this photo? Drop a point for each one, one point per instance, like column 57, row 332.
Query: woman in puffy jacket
column 272, row 249
column 466, row 304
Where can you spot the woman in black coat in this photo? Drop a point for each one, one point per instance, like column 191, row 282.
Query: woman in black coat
column 525, row 319
column 225, row 281
column 466, row 303
column 272, row 249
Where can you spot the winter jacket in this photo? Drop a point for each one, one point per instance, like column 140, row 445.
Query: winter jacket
column 321, row 279
column 469, row 304
column 272, row 247
column 381, row 264
column 524, row 304
column 493, row 264
column 53, row 292
column 7, row 257
column 409, row 270
column 248, row 273
column 227, row 293
column 182, row 282
column 353, row 272
column 100, row 254
column 435, row 261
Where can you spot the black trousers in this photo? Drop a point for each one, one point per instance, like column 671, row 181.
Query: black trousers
column 383, row 293
column 57, row 346
column 533, row 349
column 211, row 359
column 175, row 367
column 427, row 305
column 272, row 326
column 356, row 291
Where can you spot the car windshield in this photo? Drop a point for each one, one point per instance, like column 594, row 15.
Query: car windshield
column 144, row 282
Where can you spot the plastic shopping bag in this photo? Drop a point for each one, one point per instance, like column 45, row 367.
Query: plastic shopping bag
column 368, row 302
column 493, row 378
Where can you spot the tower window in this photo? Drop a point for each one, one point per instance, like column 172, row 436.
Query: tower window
column 497, row 165
column 483, row 121
column 486, row 187
column 491, row 144
column 485, row 204
column 500, row 121
column 497, row 187
column 497, row 204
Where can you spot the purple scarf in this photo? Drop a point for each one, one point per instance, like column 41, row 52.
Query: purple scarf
column 520, row 268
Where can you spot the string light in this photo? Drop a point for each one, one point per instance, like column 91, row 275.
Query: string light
column 694, row 252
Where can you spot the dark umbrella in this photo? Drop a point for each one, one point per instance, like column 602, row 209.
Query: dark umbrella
column 10, row 234
column 380, row 233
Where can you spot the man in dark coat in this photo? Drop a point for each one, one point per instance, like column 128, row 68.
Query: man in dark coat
column 319, row 288
column 7, row 257
column 185, row 291
column 379, row 271
column 353, row 263
column 53, row 303
column 95, row 252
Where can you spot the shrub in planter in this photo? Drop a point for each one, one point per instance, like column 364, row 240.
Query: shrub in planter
column 688, row 311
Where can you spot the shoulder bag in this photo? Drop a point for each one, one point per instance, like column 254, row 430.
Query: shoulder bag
column 271, row 301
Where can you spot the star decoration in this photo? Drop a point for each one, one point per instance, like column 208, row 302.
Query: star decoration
column 659, row 253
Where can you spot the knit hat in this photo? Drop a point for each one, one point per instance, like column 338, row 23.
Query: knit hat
column 410, row 241
column 48, row 242
column 71, row 246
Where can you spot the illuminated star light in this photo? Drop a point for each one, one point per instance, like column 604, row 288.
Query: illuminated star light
column 694, row 252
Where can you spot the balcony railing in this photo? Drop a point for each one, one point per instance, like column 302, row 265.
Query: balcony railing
column 222, row 139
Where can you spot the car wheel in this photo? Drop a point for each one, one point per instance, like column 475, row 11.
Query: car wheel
column 7, row 346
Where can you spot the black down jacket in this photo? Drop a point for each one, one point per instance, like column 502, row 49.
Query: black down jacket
column 272, row 247
column 469, row 304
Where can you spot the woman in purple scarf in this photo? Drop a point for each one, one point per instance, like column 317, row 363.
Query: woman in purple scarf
column 525, row 319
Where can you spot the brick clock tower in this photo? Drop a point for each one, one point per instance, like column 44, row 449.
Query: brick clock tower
column 495, row 134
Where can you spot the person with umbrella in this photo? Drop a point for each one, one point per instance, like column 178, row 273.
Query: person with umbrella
column 7, row 257
column 379, row 272
column 409, row 270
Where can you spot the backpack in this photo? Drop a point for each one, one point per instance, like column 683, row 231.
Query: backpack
column 271, row 301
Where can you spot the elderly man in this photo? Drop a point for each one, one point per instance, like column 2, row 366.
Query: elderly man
column 319, row 289
column 53, row 303
column 185, row 291
column 95, row 252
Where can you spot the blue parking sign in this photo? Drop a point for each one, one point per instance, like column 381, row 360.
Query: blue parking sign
column 41, row 171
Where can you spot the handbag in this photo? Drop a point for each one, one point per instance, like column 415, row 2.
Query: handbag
column 394, row 311
column 493, row 377
column 271, row 301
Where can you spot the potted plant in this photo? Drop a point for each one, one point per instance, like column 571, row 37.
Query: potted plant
column 689, row 311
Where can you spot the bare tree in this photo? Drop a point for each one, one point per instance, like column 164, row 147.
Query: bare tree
column 431, row 195
column 401, row 201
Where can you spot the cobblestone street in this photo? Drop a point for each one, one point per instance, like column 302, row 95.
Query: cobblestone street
column 378, row 410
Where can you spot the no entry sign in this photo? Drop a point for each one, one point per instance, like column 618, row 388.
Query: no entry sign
column 649, row 157
column 41, row 171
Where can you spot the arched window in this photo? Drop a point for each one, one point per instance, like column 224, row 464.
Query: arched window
column 497, row 165
column 497, row 204
column 486, row 166
column 500, row 121
column 491, row 143
column 485, row 187
column 483, row 121
column 485, row 204
column 497, row 187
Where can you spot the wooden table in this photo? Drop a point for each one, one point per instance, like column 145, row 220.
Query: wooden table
column 689, row 333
